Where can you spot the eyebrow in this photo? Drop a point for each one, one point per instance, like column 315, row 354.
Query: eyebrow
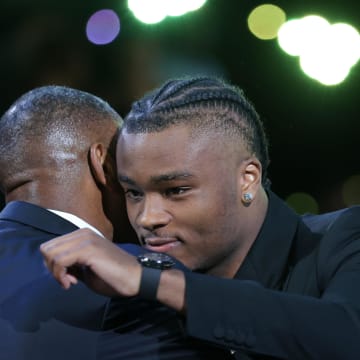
column 158, row 178
column 126, row 179
column 170, row 177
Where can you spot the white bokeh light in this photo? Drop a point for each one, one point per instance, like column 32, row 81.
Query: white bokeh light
column 326, row 51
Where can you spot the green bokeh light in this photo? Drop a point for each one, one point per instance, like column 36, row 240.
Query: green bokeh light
column 351, row 191
column 265, row 20
column 303, row 203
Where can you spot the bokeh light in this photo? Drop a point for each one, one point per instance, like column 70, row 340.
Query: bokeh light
column 346, row 39
column 326, row 52
column 303, row 203
column 148, row 12
column 325, row 66
column 299, row 36
column 265, row 20
column 351, row 191
column 103, row 27
column 154, row 11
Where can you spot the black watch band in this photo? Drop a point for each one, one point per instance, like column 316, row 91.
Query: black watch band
column 152, row 266
column 149, row 283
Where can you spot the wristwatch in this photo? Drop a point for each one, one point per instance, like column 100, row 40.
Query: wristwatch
column 152, row 266
column 156, row 260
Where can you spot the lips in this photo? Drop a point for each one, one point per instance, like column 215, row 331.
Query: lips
column 160, row 244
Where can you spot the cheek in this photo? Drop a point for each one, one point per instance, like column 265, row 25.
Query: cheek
column 221, row 210
column 131, row 213
column 203, row 221
column 219, row 205
column 219, row 220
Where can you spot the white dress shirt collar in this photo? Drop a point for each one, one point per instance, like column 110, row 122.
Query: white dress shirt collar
column 80, row 223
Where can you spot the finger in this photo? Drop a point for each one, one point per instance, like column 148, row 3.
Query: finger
column 68, row 250
column 63, row 254
column 62, row 241
column 65, row 279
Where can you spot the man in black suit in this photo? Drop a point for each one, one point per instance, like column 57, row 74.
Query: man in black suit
column 57, row 174
column 192, row 159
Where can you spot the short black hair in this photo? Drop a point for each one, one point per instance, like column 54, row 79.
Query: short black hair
column 60, row 115
column 205, row 104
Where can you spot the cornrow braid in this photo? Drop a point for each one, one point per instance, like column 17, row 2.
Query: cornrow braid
column 171, row 88
column 204, row 103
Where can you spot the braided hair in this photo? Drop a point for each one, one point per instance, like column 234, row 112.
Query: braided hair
column 205, row 104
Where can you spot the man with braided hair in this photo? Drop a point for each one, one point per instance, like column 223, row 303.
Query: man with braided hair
column 192, row 160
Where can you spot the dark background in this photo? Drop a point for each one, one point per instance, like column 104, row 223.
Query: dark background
column 313, row 129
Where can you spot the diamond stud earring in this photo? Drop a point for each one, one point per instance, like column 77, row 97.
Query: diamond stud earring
column 247, row 198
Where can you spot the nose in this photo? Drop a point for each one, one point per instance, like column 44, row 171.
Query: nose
column 153, row 213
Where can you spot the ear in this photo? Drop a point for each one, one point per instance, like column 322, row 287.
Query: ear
column 249, row 179
column 98, row 154
column 103, row 167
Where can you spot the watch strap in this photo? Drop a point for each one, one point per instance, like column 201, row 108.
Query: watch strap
column 149, row 283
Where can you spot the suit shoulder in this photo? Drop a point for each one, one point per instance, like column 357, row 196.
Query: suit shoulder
column 340, row 245
column 347, row 222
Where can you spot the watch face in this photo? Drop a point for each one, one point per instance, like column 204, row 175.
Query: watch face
column 156, row 260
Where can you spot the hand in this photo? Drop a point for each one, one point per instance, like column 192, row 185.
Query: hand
column 87, row 256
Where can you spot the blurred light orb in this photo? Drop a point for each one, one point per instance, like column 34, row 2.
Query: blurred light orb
column 326, row 51
column 325, row 65
column 148, row 11
column 289, row 37
column 303, row 203
column 301, row 35
column 346, row 39
column 103, row 27
column 154, row 11
column 351, row 191
column 265, row 21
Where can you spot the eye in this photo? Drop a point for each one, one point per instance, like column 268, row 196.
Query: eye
column 178, row 190
column 133, row 194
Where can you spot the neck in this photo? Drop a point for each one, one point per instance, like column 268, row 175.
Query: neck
column 255, row 218
column 87, row 205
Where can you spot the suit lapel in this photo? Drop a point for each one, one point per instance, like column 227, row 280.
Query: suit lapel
column 37, row 217
column 268, row 260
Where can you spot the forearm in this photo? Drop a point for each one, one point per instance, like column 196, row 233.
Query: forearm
column 243, row 315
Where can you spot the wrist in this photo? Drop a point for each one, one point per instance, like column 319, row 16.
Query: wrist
column 152, row 266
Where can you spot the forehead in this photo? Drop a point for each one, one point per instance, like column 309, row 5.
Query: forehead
column 161, row 142
column 170, row 145
column 170, row 150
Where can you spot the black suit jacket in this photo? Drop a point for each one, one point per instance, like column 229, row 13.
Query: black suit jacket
column 38, row 319
column 296, row 295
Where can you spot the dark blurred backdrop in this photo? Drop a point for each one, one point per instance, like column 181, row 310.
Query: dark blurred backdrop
column 314, row 130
